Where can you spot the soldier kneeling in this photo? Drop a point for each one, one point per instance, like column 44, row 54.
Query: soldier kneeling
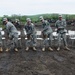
column 12, row 33
column 47, row 33
column 31, row 34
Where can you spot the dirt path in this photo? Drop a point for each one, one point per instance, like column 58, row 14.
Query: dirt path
column 38, row 63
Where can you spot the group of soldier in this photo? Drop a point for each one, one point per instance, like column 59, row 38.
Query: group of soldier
column 46, row 32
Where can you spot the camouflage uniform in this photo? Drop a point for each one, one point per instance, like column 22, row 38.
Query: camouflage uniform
column 1, row 44
column 61, row 25
column 13, row 33
column 17, row 23
column 0, row 39
column 47, row 33
column 31, row 35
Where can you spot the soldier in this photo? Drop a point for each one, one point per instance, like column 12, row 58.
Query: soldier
column 31, row 34
column 1, row 49
column 17, row 23
column 12, row 32
column 61, row 25
column 47, row 33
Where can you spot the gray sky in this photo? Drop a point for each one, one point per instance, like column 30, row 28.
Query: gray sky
column 33, row 7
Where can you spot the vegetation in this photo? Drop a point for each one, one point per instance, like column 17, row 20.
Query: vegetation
column 35, row 18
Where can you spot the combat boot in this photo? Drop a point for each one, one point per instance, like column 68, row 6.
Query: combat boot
column 67, row 48
column 34, row 48
column 27, row 48
column 1, row 49
column 50, row 49
column 43, row 49
column 7, row 50
column 16, row 49
column 58, row 48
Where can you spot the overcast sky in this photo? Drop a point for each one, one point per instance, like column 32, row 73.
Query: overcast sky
column 33, row 7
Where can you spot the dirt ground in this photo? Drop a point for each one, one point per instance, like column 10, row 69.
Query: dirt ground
column 38, row 63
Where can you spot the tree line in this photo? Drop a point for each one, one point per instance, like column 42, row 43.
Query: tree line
column 35, row 18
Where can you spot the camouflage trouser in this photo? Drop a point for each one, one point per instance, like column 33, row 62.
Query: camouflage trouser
column 14, row 39
column 60, row 37
column 31, row 40
column 45, row 39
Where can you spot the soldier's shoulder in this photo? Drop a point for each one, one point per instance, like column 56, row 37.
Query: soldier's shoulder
column 63, row 20
column 46, row 21
column 57, row 21
column 9, row 23
column 32, row 24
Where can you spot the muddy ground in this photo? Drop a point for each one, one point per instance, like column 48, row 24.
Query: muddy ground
column 38, row 63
